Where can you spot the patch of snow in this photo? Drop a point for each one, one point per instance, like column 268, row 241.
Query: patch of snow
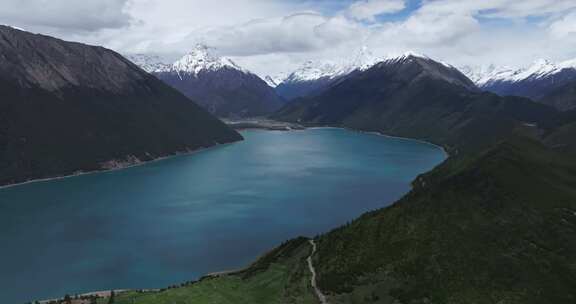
column 274, row 81
column 14, row 27
column 149, row 63
column 404, row 55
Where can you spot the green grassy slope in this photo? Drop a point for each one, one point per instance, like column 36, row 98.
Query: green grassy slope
column 281, row 276
column 498, row 228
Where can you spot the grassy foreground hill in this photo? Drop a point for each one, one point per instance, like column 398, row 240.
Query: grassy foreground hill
column 281, row 276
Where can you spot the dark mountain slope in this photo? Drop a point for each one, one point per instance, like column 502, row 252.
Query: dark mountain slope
column 219, row 85
column 562, row 97
column 534, row 87
column 226, row 92
column 290, row 90
column 419, row 98
column 68, row 107
column 496, row 228
column 562, row 134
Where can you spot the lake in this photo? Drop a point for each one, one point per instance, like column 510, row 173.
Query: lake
column 174, row 220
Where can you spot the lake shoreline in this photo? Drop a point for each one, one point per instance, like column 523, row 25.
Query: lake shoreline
column 117, row 168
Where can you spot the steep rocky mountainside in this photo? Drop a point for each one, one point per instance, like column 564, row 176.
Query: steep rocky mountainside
column 68, row 107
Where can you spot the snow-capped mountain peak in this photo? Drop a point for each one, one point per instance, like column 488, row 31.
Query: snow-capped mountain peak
column 483, row 74
column 404, row 55
column 149, row 63
column 363, row 60
column 274, row 81
column 202, row 58
column 568, row 64
column 539, row 68
column 313, row 70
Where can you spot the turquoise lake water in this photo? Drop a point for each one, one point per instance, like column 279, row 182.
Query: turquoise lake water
column 174, row 220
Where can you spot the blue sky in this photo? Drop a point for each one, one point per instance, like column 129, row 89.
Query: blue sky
column 333, row 7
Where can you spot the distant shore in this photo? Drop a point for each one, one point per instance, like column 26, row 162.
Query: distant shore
column 274, row 125
column 85, row 297
column 265, row 124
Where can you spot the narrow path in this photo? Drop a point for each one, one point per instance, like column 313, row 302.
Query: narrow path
column 319, row 293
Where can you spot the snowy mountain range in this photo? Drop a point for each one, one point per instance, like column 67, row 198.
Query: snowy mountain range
column 313, row 77
column 200, row 58
column 217, row 83
column 537, row 81
column 541, row 68
column 312, row 70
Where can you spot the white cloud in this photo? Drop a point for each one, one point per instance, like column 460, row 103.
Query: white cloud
column 368, row 9
column 302, row 32
column 274, row 35
column 564, row 26
column 480, row 32
column 525, row 8
column 74, row 15
column 436, row 27
column 499, row 8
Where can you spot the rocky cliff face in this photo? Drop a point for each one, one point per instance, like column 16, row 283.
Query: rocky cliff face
column 67, row 107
